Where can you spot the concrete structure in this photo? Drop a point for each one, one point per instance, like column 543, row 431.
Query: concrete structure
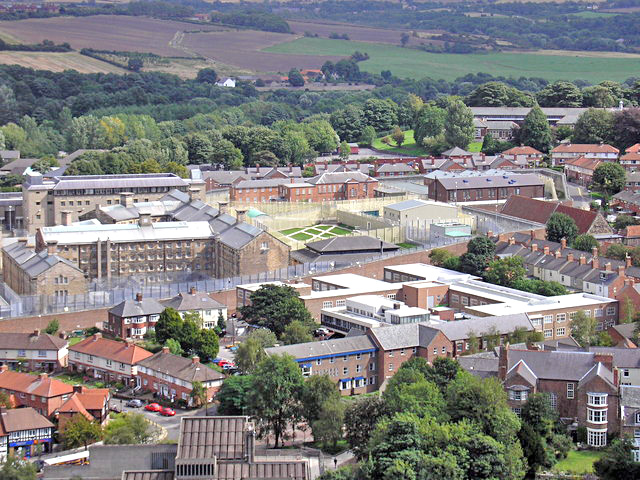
column 108, row 360
column 449, row 230
column 45, row 199
column 33, row 351
column 412, row 210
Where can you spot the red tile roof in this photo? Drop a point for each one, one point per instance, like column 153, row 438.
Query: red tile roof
column 633, row 148
column 40, row 385
column 631, row 231
column 94, row 398
column 585, row 148
column 528, row 208
column 631, row 156
column 583, row 218
column 73, row 405
column 584, row 162
column 523, row 150
column 118, row 351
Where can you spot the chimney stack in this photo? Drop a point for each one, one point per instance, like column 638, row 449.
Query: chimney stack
column 489, row 234
column 96, row 336
column 138, row 297
column 52, row 247
column 195, row 360
column 193, row 193
column 595, row 263
column 36, row 333
column 621, row 271
column 43, row 376
column 532, row 233
column 594, row 251
column 192, row 290
column 126, row 199
column 240, row 215
column 583, row 260
column 607, row 267
column 563, row 243
column 558, row 254
column 165, row 350
column 144, row 220
column 503, row 362
column 512, row 241
column 570, row 257
column 65, row 217
column 616, row 378
column 79, row 388
column 546, row 250
column 627, row 261
column 222, row 207
column 605, row 358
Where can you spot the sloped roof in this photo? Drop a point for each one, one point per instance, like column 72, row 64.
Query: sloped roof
column 394, row 167
column 528, row 208
column 622, row 357
column 522, row 150
column 339, row 177
column 583, row 218
column 598, row 370
column 522, row 369
column 122, row 352
column 334, row 346
column 554, row 365
column 181, row 368
column 456, row 152
column 35, row 263
column 148, row 475
column 404, row 336
column 206, row 437
column 185, row 302
column 506, row 180
column 462, row 329
column 630, row 156
column 135, row 308
column 42, row 385
column 584, row 148
column 635, row 148
column 631, row 231
column 17, row 419
column 30, row 341
column 343, row 244
column 73, row 405
column 584, row 162
column 480, row 365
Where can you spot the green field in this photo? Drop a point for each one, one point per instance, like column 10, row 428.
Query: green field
column 409, row 146
column 315, row 232
column 578, row 462
column 591, row 14
column 410, row 63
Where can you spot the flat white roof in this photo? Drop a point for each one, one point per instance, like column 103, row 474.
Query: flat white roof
column 252, row 287
column 429, row 272
column 352, row 280
column 573, row 300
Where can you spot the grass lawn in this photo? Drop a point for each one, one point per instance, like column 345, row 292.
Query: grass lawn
column 290, row 231
column 412, row 63
column 406, row 245
column 324, row 227
column 301, row 236
column 409, row 146
column 590, row 14
column 340, row 231
column 313, row 231
column 74, row 340
column 474, row 147
column 578, row 462
column 327, row 235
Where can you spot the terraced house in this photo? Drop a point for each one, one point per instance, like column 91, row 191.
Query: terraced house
column 42, row 393
column 33, row 351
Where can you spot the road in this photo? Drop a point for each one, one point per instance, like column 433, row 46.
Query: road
column 579, row 194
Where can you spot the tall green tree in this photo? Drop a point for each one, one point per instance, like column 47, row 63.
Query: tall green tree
column 561, row 226
column 609, row 178
column 617, row 461
column 585, row 242
column 505, row 271
column 429, row 122
column 317, row 390
column 80, row 432
column 169, row 325
column 593, row 126
column 275, row 307
column 458, row 128
column 560, row 94
column 583, row 329
column 348, row 123
column 275, row 395
column 295, row 78
column 234, row 394
column 52, row 327
column 198, row 394
column 297, row 332
column 535, row 131
column 15, row 468
column 380, row 114
column 361, row 418
column 328, row 427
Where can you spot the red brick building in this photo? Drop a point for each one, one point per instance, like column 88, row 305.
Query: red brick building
column 172, row 376
column 329, row 187
column 581, row 386
column 487, row 189
column 91, row 403
column 580, row 170
column 133, row 318
column 42, row 393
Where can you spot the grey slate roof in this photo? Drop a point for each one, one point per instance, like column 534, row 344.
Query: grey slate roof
column 148, row 475
column 522, row 369
column 622, row 357
column 186, row 302
column 180, row 367
column 134, row 308
column 349, row 244
column 456, row 152
column 481, row 365
column 119, row 181
column 491, row 181
column 462, row 329
column 407, row 205
column 34, row 263
column 339, row 177
column 331, row 347
column 625, row 329
column 630, row 396
column 394, row 167
column 30, row 341
column 554, row 365
column 267, row 182
column 404, row 336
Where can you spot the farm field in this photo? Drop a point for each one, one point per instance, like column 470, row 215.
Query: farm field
column 356, row 33
column 315, row 232
column 418, row 64
column 103, row 32
column 58, row 62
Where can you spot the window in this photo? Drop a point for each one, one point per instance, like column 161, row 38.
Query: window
column 553, row 400
column 341, row 303
column 548, row 333
column 344, row 359
column 358, row 368
column 372, row 380
column 358, row 356
column 372, row 366
column 611, row 310
column 318, row 362
column 560, row 332
column 414, row 350
column 42, row 353
column 548, row 319
column 22, row 353
column 625, row 372
column 517, row 411
column 637, row 431
column 391, row 367
column 573, row 315
column 598, row 312
column 561, row 317
column 596, row 438
column 570, row 390
column 536, row 322
column 518, row 395
column 454, row 298
column 465, row 300
column 391, row 296
column 332, row 360
column 435, row 350
column 597, row 399
column 402, row 352
column 327, row 304
column 345, row 370
column 596, row 416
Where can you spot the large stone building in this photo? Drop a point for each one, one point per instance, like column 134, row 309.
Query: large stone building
column 45, row 200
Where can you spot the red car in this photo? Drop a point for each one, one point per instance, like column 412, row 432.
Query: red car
column 167, row 412
column 153, row 407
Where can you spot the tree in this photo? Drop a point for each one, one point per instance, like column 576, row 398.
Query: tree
column 599, row 96
column 295, row 78
column 297, row 332
column 626, row 128
column 561, row 226
column 275, row 394
column 368, row 136
column 274, row 307
column 327, row 428
column 52, row 327
column 135, row 64
column 609, row 178
column 45, row 165
column 623, row 221
column 560, row 94
column 251, row 352
column 617, row 251
column 380, row 114
column 593, row 126
column 345, row 151
column 207, row 344
column 130, row 428
column 199, row 394
column 583, row 329
column 15, row 468
column 585, row 242
column 497, row 94
column 429, row 122
column 398, row 136
column 482, row 246
column 222, row 323
column 317, row 390
column 361, row 418
column 169, row 326
column 207, row 75
column 233, row 395
column 5, row 400
column 617, row 461
column 535, row 131
column 348, row 123
column 321, row 136
column 438, row 256
column 505, row 271
column 174, row 346
column 404, row 39
column 628, row 313
column 80, row 432
column 458, row 128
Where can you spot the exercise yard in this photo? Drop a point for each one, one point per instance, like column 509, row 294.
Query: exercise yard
column 315, row 232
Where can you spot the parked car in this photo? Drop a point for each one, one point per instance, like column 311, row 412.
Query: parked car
column 228, row 366
column 134, row 403
column 153, row 407
column 115, row 408
column 167, row 412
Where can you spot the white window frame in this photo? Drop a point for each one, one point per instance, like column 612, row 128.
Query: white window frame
column 571, row 390
column 596, row 437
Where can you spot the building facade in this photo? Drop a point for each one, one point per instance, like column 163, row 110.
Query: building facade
column 43, row 394
column 33, row 351
column 132, row 319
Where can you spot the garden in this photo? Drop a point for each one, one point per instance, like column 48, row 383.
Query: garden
column 316, row 232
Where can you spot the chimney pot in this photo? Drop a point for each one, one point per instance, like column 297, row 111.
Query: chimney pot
column 621, row 270
column 138, row 297
column 126, row 199
column 558, row 254
column 570, row 257
column 97, row 336
column 165, row 350
column 36, row 332
column 546, row 250
column 563, row 243
column 583, row 260
column 192, row 290
column 222, row 206
column 240, row 215
column 52, row 247
column 607, row 267
column 627, row 261
column 534, row 247
column 195, row 360
column 43, row 376
column 594, row 251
